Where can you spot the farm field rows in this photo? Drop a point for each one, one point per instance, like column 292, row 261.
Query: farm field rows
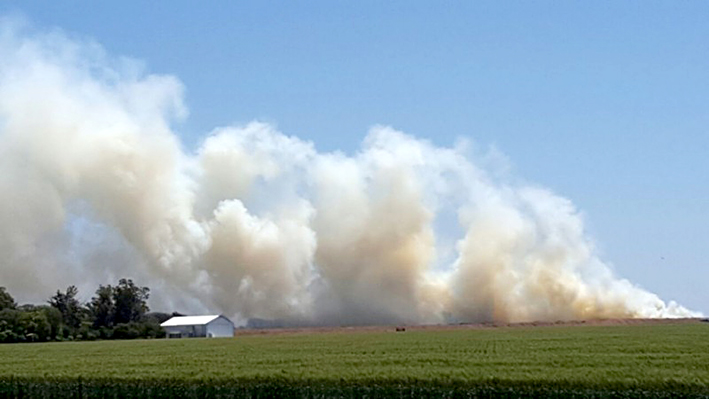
column 633, row 360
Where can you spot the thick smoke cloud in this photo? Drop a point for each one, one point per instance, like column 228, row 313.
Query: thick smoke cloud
column 94, row 185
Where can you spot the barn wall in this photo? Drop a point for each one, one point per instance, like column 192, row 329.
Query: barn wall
column 186, row 331
column 220, row 328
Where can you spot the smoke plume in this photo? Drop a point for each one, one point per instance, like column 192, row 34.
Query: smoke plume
column 95, row 185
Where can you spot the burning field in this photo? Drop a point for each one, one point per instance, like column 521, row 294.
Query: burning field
column 467, row 326
column 95, row 185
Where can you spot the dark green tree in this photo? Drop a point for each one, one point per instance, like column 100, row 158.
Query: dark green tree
column 10, row 328
column 130, row 302
column 54, row 318
column 101, row 308
column 35, row 326
column 115, row 312
column 69, row 306
column 6, row 300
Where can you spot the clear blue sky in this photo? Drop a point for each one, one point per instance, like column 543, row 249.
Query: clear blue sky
column 606, row 103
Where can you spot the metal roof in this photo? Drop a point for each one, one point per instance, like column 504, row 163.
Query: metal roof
column 189, row 320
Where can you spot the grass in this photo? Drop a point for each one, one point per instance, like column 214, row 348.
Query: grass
column 589, row 361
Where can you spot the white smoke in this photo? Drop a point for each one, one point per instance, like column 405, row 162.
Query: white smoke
column 94, row 185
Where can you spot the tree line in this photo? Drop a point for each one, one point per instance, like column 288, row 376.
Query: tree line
column 115, row 312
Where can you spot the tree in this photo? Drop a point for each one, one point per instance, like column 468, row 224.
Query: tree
column 54, row 318
column 102, row 308
column 130, row 301
column 157, row 317
column 69, row 306
column 115, row 312
column 10, row 328
column 35, row 325
column 6, row 300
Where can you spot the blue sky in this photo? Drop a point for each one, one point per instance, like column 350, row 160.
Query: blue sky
column 603, row 102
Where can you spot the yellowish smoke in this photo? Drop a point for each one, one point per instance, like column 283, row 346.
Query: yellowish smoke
column 94, row 185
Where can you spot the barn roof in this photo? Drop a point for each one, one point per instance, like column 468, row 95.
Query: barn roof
column 189, row 320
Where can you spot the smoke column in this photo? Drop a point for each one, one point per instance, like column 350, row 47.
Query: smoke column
column 94, row 186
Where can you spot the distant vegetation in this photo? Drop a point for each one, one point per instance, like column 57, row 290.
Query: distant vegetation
column 115, row 312
column 648, row 361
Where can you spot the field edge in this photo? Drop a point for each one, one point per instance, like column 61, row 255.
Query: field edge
column 56, row 387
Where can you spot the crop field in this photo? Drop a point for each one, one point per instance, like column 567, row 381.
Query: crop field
column 653, row 360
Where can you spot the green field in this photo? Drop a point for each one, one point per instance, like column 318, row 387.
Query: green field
column 589, row 361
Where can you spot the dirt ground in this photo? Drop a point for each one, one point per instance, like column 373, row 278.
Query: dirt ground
column 462, row 326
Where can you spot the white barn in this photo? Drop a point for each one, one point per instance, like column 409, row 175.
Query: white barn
column 211, row 326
